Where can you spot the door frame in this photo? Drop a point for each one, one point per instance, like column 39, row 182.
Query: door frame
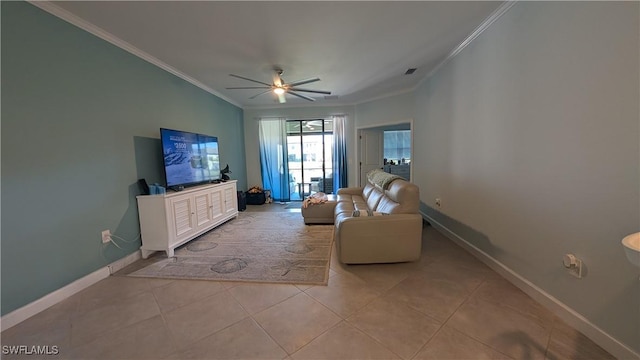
column 382, row 126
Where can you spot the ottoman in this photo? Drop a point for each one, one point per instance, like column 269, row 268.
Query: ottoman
column 320, row 213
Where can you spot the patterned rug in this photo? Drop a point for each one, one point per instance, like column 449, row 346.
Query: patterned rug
column 271, row 247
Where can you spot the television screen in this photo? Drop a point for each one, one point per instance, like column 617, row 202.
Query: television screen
column 189, row 158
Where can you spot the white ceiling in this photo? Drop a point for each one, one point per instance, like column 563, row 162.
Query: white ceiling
column 359, row 49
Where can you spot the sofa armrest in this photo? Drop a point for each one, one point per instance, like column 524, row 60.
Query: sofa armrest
column 371, row 239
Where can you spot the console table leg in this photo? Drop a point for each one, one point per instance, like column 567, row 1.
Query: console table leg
column 145, row 253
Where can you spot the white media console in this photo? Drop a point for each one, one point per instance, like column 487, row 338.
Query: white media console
column 172, row 219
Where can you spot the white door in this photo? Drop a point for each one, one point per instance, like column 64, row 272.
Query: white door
column 371, row 155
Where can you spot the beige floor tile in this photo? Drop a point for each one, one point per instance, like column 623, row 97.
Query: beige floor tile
column 396, row 326
column 49, row 327
column 202, row 318
column 157, row 282
column 344, row 295
column 148, row 339
column 502, row 292
column 257, row 297
column 450, row 344
column 504, row 329
column 304, row 287
column 113, row 287
column 469, row 279
column 296, row 321
column 344, row 342
column 181, row 292
column 438, row 298
column 243, row 340
column 568, row 343
column 119, row 313
column 380, row 277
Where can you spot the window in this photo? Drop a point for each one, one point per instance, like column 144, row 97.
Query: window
column 309, row 146
column 397, row 146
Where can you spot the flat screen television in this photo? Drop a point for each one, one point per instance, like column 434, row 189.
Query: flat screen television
column 189, row 158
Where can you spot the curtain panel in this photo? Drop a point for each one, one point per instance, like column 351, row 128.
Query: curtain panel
column 339, row 160
column 273, row 158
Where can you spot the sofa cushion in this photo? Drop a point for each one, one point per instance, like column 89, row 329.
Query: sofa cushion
column 403, row 193
column 362, row 213
column 366, row 191
column 350, row 203
column 374, row 198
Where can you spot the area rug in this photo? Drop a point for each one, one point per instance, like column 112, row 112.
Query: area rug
column 275, row 247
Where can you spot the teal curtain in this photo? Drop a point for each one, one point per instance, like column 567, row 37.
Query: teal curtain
column 340, row 179
column 273, row 158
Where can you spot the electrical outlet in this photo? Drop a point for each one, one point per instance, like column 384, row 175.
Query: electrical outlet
column 573, row 265
column 106, row 236
column 438, row 202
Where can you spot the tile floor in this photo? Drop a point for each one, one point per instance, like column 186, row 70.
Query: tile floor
column 446, row 306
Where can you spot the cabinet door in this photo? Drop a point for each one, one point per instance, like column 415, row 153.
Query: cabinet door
column 182, row 212
column 217, row 204
column 230, row 199
column 203, row 217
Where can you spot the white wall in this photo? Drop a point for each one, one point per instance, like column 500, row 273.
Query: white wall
column 390, row 110
column 530, row 136
column 251, row 117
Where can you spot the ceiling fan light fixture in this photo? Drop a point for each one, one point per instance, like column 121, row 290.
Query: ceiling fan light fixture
column 278, row 91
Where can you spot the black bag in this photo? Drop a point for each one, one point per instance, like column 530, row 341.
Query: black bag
column 242, row 201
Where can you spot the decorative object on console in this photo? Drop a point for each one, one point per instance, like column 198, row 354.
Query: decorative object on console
column 144, row 187
column 224, row 172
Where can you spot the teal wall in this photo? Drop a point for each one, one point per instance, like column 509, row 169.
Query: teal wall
column 80, row 125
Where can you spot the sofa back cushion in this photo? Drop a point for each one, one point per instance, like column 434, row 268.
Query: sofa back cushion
column 366, row 191
column 402, row 197
column 374, row 198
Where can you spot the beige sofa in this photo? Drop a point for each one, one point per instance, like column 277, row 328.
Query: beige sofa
column 378, row 223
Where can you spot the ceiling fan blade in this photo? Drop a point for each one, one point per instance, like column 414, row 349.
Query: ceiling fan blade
column 248, row 87
column 311, row 91
column 264, row 92
column 300, row 95
column 244, row 78
column 301, row 82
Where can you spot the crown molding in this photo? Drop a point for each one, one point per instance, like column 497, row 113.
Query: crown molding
column 59, row 12
column 501, row 10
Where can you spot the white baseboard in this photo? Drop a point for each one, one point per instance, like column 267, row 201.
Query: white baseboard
column 567, row 314
column 124, row 262
column 19, row 315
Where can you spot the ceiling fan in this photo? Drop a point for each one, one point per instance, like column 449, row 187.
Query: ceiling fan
column 280, row 87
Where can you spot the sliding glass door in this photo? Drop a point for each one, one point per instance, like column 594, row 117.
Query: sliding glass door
column 309, row 146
